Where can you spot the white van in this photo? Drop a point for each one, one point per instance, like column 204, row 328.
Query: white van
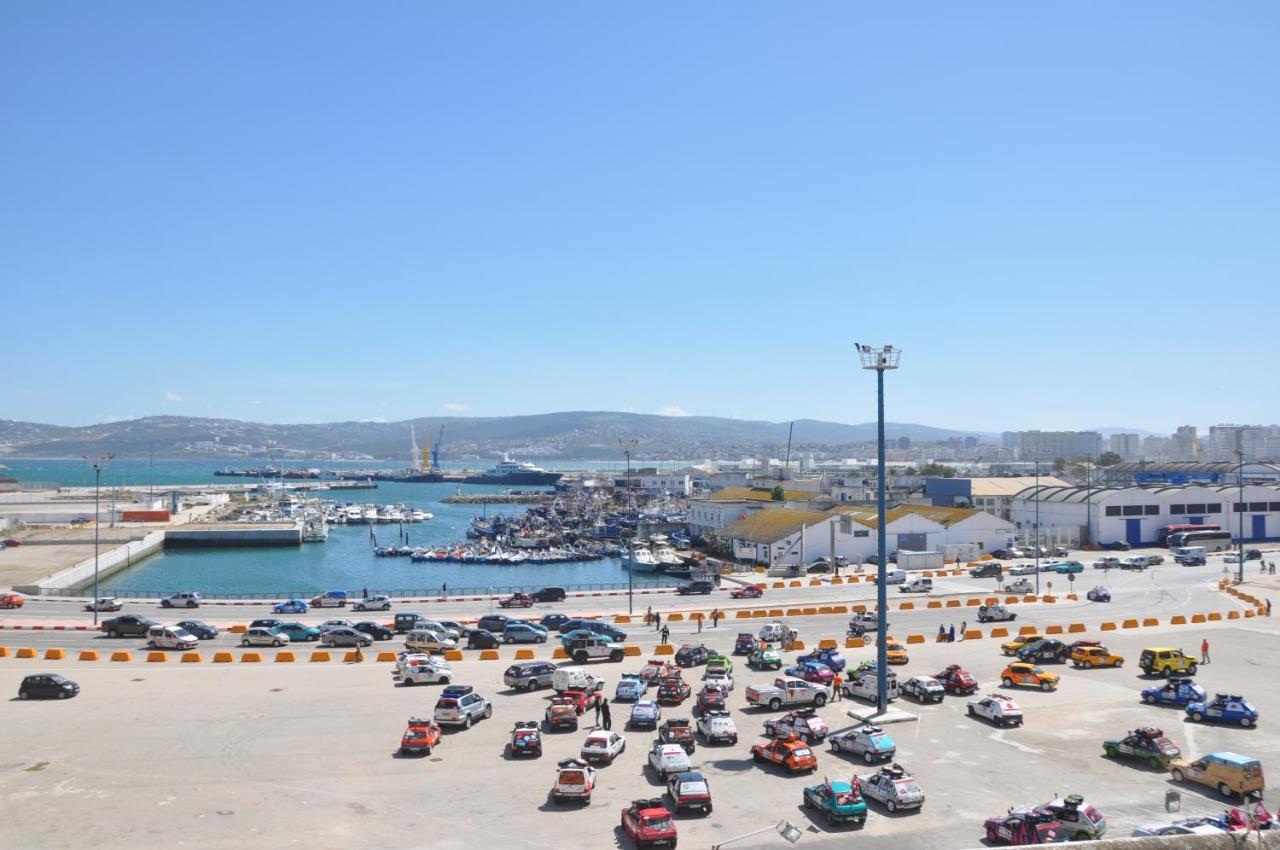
column 573, row 679
column 895, row 576
column 171, row 637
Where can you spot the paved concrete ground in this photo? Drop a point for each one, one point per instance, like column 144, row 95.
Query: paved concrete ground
column 289, row 755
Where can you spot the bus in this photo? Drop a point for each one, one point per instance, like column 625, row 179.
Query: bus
column 1162, row 538
column 1212, row 541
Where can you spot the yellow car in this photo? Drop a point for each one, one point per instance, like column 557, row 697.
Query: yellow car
column 896, row 653
column 1095, row 655
column 1029, row 675
column 1011, row 647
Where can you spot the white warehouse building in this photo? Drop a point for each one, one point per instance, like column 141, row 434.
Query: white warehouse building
column 1137, row 515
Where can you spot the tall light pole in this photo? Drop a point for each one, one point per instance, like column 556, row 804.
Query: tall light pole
column 97, row 467
column 627, row 446
column 880, row 359
column 1037, row 538
column 1240, row 476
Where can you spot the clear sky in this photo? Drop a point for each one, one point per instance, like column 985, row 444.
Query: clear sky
column 311, row 211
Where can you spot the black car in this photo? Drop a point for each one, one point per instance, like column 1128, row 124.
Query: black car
column 596, row 626
column 1047, row 649
column 377, row 631
column 495, row 623
column 266, row 623
column 200, row 629
column 549, row 594
column 1003, row 554
column 127, row 625
column 691, row 655
column 689, row 588
column 1117, row 546
column 482, row 639
column 988, row 570
column 405, row 619
column 47, row 686
column 1252, row 554
column 553, row 621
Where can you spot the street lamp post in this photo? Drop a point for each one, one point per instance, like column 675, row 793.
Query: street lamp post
column 97, row 467
column 1037, row 537
column 1240, row 541
column 880, row 359
column 627, row 446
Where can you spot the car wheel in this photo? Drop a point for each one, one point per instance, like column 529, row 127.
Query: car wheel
column 1191, row 669
column 508, row 639
column 1165, row 671
column 891, row 806
column 488, row 711
column 466, row 722
column 1007, row 682
column 1177, row 775
column 1154, row 763
column 1246, row 722
column 1120, row 663
column 112, row 633
column 1046, row 686
column 244, row 643
column 1111, row 751
column 972, row 713
column 1224, row 790
column 868, row 757
column 63, row 694
column 277, row 643
column 1148, row 699
column 1197, row 716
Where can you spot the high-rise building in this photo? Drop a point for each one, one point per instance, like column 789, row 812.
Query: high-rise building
column 1186, row 445
column 1226, row 440
column 970, row 442
column 1128, row 446
column 904, row 443
column 1049, row 445
column 1011, row 440
column 1157, row 448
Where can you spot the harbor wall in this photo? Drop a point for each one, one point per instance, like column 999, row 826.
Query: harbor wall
column 109, row 562
column 212, row 537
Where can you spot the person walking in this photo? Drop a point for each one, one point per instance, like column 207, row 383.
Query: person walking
column 699, row 625
column 952, row 638
column 444, row 590
column 942, row 633
column 598, row 701
column 648, row 615
column 604, row 713
column 964, row 627
column 657, row 621
column 1204, row 651
column 666, row 634
column 836, row 682
column 364, row 593
column 1268, row 607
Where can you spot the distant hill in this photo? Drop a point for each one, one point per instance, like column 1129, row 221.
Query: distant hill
column 575, row 435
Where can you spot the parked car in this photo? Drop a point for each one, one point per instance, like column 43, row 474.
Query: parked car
column 1147, row 744
column 495, row 623
column 263, row 637
column 529, row 675
column 189, row 599
column 692, row 654
column 690, row 790
column 127, row 625
column 523, row 633
column 870, row 743
column 838, row 802
column 482, row 639
column 893, row 788
column 575, row 781
column 47, row 686
column 377, row 631
column 603, row 745
column 200, row 629
column 923, row 689
column 553, row 621
column 381, row 602
column 644, row 715
column 630, row 688
column 345, row 636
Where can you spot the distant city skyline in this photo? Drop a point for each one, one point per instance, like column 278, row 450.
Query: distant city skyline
column 302, row 212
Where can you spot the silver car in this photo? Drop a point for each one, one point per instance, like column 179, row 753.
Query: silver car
column 871, row 743
column 893, row 787
column 263, row 637
column 345, row 637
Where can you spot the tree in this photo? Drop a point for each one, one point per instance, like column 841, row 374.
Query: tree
column 938, row 470
column 1059, row 465
column 779, row 495
column 1109, row 459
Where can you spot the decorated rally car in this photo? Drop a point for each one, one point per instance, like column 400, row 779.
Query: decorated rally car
column 1176, row 691
column 1030, row 827
column 718, row 665
column 575, row 780
column 1223, row 708
column 717, row 727
column 924, row 689
column 630, row 687
column 421, row 736
column 1023, row 674
column 790, row 753
column 678, row 730
column 648, row 823
column 893, row 787
column 745, row 643
column 644, row 715
column 812, row 671
column 996, row 708
column 838, row 802
column 832, row 658
column 526, row 740
column 869, row 742
column 804, row 723
column 1081, row 821
column 1146, row 743
column 673, row 690
column 711, row 698
column 957, row 681
column 690, row 790
column 765, row 657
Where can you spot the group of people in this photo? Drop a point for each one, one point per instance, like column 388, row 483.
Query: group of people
column 603, row 719
column 655, row 617
column 948, row 634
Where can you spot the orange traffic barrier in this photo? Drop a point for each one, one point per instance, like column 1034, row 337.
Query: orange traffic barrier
column 353, row 656
column 1177, row 620
column 1048, row 599
column 251, row 658
column 934, row 603
column 973, row 603
column 1053, row 630
column 1108, row 627
column 839, row 609
column 58, row 654
column 1250, row 613
column 192, row 658
column 622, row 618
column 1075, row 628
column 287, row 657
column 809, row 612
column 742, row 615
column 664, row 649
column 319, row 655
column 154, row 657
column 907, row 606
column 1148, row 622
column 1129, row 624
column 488, row 655
column 1215, row 615
column 89, row 655
column 778, row 585
column 953, row 603
column 857, row 609
column 795, row 645
column 1028, row 630
column 775, row 612
column 1030, row 597
column 675, row 617
column 1073, row 597
column 121, row 655
column 813, row 582
column 795, row 583
column 973, row 634
column 992, row 600
column 915, row 638
column 523, row 654
column 1233, row 615
column 794, row 612
column 827, row 643
column 456, row 654
column 391, row 656
column 1012, row 600
column 760, row 613
column 837, row 580
column 631, row 651
column 1197, row 618
column 851, row 643
column 825, row 609
column 27, row 652
column 853, row 579
column 238, row 630
column 697, row 615
column 999, row 632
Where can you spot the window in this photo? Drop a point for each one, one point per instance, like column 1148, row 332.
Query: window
column 1213, row 508
column 1151, row 510
column 1133, row 510
column 1275, row 506
column 1237, row 507
column 1177, row 509
column 1258, row 507
column 863, row 533
column 1195, row 509
column 1113, row 510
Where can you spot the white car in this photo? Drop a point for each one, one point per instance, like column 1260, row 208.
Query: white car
column 426, row 640
column 603, row 746
column 924, row 689
column 414, row 668
column 893, row 787
column 381, row 602
column 666, row 759
column 1020, row 586
column 1183, row 826
column 997, row 708
column 1231, row 558
column 1022, row 570
column 723, row 681
column 717, row 727
column 774, row 632
column 867, row 686
column 181, row 600
column 263, row 637
column 335, row 624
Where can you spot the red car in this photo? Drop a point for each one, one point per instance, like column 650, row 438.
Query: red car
column 421, row 737
column 1031, row 827
column 710, row 698
column 649, row 823
column 673, row 690
column 516, row 600
column 11, row 600
column 581, row 700
column 12, row 541
column 748, row 591
column 956, row 681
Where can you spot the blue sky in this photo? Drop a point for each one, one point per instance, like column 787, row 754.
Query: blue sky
column 313, row 211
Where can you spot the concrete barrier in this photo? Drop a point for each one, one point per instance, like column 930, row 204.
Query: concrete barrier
column 157, row 657
column 953, row 603
column 251, row 658
column 742, row 615
column 664, row 649
column 1012, row 600
column 55, row 654
column 26, row 652
column 991, row 600
column 1030, row 597
column 1028, row 630
column 391, row 657
column 853, row 643
column 907, row 606
column 1148, row 622
column 1233, row 615
column 121, row 655
column 1108, row 626
column 319, row 656
column 973, row 634
column 488, row 655
column 1076, row 628
column 1053, row 630
column 287, row 657
column 456, row 654
column 809, row 612
column 238, row 630
column 779, row 585
column 1197, row 618
column 813, row 582
column 697, row 616
column 192, row 658
column 1129, row 624
column 795, row 646
column 934, row 603
column 837, row 580
column 353, row 656
column 1252, row 613
column 4, row 652
column 794, row 612
column 524, row 655
column 89, row 655
column 825, row 609
column 1073, row 597
column 915, row 638
column 839, row 609
column 999, row 632
column 675, row 617
column 759, row 614
column 1048, row 599
column 858, row 609
column 828, row 643
column 795, row 583
column 631, row 651
column 973, row 603
column 622, row 618
column 1215, row 615
column 1177, row 620
column 775, row 612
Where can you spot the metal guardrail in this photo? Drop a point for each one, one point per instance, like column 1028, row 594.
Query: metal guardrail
column 395, row 593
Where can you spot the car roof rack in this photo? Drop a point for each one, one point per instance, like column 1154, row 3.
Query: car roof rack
column 526, row 724
column 418, row 721
column 572, row 763
column 1149, row 732
column 678, row 721
column 1073, row 801
column 651, row 803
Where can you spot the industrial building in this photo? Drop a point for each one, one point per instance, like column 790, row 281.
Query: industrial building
column 1189, row 472
column 1136, row 515
column 993, row 495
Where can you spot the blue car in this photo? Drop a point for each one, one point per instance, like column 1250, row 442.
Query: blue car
column 630, row 687
column 1224, row 708
column 523, row 633
column 1174, row 692
column 299, row 631
column 645, row 715
column 833, row 658
column 293, row 606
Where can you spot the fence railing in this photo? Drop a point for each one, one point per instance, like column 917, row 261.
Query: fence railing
column 395, row 593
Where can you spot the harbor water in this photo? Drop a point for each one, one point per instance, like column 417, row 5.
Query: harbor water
column 346, row 561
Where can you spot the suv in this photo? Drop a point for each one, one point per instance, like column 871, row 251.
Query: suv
column 1165, row 661
column 496, row 623
column 582, row 650
column 181, row 600
column 535, row 674
column 593, row 626
column 381, row 602
column 549, row 594
column 700, row 587
column 459, row 705
column 988, row 570
column 127, row 625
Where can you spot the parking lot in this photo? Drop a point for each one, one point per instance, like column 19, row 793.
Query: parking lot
column 305, row 753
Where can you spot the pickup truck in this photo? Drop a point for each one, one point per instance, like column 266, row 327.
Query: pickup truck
column 787, row 690
column 917, row 585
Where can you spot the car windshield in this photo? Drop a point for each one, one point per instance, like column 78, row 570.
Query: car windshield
column 699, row 787
column 845, row 798
column 907, row 787
column 881, row 741
column 802, row 752
column 572, row 777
